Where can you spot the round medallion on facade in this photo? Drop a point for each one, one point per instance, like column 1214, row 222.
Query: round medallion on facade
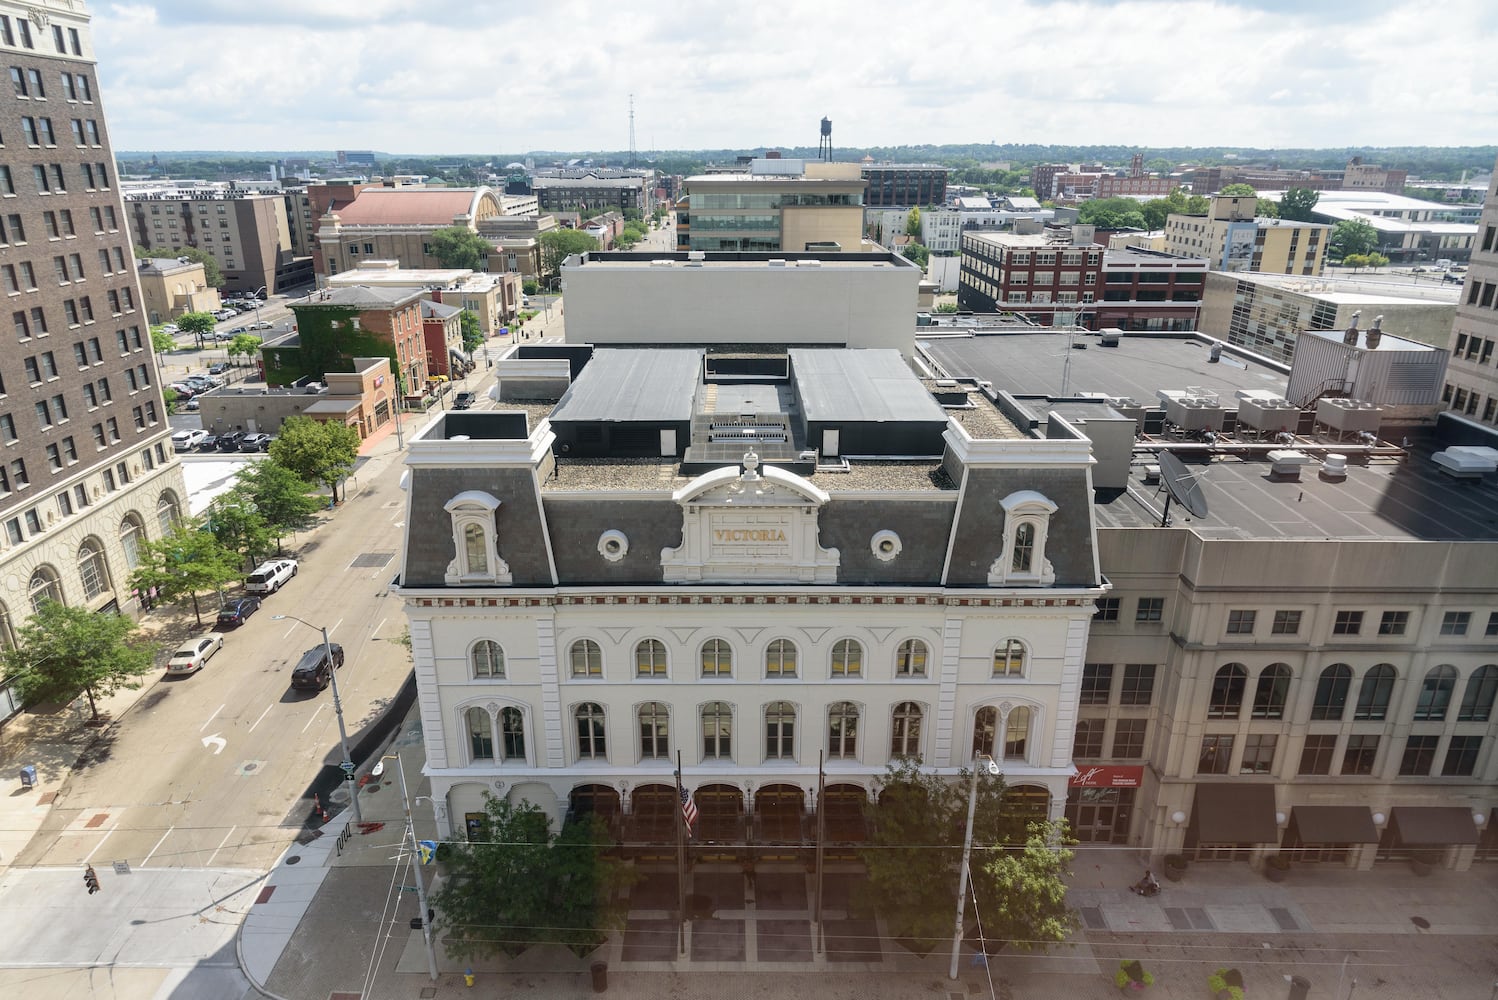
column 885, row 545
column 612, row 545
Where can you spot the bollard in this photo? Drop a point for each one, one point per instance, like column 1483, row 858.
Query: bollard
column 600, row 971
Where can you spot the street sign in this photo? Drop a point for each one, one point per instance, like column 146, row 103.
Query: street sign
column 348, row 775
column 122, row 868
column 348, row 766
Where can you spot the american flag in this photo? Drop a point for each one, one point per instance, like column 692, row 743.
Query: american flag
column 688, row 810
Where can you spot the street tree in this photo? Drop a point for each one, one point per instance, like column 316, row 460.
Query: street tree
column 320, row 452
column 199, row 324
column 244, row 345
column 284, row 499
column 63, row 651
column 161, row 341
column 237, row 523
column 913, row 223
column 1020, row 892
column 1352, row 237
column 520, row 885
column 459, row 246
column 918, row 254
column 472, row 332
column 559, row 244
column 183, row 564
column 1298, row 203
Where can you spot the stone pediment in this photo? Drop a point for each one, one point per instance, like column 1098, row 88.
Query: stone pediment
column 747, row 526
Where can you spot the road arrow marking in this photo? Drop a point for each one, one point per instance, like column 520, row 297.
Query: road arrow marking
column 217, row 742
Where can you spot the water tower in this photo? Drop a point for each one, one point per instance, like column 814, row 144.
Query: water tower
column 824, row 150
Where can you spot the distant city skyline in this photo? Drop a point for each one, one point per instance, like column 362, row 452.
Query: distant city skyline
column 450, row 78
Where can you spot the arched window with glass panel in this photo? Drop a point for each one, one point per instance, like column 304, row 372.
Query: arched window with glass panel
column 1477, row 699
column 488, row 659
column 168, row 511
column 717, row 731
column 92, row 569
column 132, row 534
column 480, row 734
column 1331, row 693
column 905, row 730
column 1226, row 699
column 1272, row 692
column 512, row 729
column 985, row 730
column 475, row 549
column 1009, row 659
column 650, row 658
column 1435, row 694
column 45, row 586
column 1374, row 693
column 910, row 659
column 847, row 658
column 780, row 731
column 1024, row 547
column 1017, row 733
column 717, row 658
column 655, row 731
column 586, row 658
column 842, row 731
column 591, row 744
column 780, row 658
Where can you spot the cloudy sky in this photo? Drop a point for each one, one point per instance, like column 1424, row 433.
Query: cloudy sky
column 439, row 76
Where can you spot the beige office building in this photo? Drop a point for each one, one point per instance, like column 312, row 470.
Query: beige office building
column 1233, row 239
column 779, row 204
column 246, row 233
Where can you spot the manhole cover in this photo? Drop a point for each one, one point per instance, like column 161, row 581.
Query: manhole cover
column 249, row 767
column 293, row 859
column 1421, row 923
column 371, row 560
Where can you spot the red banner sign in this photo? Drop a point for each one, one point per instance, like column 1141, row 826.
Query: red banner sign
column 1108, row 776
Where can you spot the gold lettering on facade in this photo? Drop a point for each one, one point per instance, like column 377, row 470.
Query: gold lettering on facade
column 748, row 535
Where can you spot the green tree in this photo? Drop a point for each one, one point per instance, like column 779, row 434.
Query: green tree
column 459, row 246
column 1352, row 237
column 472, row 332
column 1298, row 203
column 522, row 885
column 212, row 275
column 319, row 452
column 1198, row 204
column 1377, row 260
column 183, row 564
column 913, row 223
column 1021, row 892
column 239, row 526
column 1267, row 208
column 199, row 324
column 61, row 652
column 244, row 345
column 1237, row 191
column 1111, row 213
column 161, row 341
column 284, row 499
column 559, row 244
column 1155, row 213
column 530, row 286
column 918, row 254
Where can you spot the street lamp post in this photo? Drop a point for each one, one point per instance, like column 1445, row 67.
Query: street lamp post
column 327, row 646
column 967, row 853
column 421, row 888
column 256, row 296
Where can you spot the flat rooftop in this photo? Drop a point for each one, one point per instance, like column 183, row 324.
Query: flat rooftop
column 1384, row 289
column 1142, row 364
column 667, row 260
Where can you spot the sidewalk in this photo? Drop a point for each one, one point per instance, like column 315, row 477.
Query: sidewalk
column 336, row 917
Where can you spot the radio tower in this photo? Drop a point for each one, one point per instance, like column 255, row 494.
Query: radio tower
column 631, row 129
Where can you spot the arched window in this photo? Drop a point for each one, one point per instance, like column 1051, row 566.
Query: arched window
column 655, row 731
column 985, row 730
column 45, row 586
column 905, row 739
column 1435, row 694
column 717, row 658
column 1024, row 547
column 1027, row 518
column 1477, row 700
column 512, row 727
column 1272, row 692
column 780, row 731
column 650, row 658
column 480, row 734
column 1374, row 693
column 1009, row 659
column 910, row 659
column 780, row 658
column 847, row 658
column 132, row 534
column 842, row 730
column 7, row 631
column 488, row 659
column 1016, row 733
column 590, row 738
column 1331, row 693
column 92, row 569
column 475, row 550
column 168, row 511
column 475, row 542
column 586, row 658
column 717, row 731
column 1226, row 700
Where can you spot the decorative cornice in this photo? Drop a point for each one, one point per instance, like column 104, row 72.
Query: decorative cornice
column 749, row 600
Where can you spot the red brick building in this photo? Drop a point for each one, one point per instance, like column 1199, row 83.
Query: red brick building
column 1148, row 290
column 1038, row 276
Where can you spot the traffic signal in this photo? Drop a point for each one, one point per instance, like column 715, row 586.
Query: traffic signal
column 91, row 880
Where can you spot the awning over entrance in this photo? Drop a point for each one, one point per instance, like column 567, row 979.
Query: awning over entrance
column 1230, row 813
column 1433, row 826
column 1334, row 825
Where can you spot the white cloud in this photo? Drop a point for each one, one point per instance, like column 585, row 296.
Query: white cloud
column 444, row 77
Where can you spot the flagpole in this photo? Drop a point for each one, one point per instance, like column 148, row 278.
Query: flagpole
column 821, row 835
column 681, row 863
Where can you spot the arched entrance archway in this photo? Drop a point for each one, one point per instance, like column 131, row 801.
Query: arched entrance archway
column 780, row 828
column 595, row 800
column 650, row 828
column 843, row 824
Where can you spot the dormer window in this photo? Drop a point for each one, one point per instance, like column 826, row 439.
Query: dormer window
column 475, row 540
column 1027, row 518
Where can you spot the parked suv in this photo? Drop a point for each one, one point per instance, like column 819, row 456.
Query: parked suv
column 463, row 400
column 270, row 576
column 313, row 671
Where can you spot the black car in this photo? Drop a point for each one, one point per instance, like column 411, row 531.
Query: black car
column 221, row 368
column 230, row 441
column 209, row 443
column 312, row 669
column 236, row 611
column 463, row 400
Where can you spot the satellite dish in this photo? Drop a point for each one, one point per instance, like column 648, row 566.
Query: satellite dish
column 1181, row 485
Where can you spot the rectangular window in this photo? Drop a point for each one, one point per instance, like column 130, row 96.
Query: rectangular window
column 1360, row 754
column 1348, row 623
column 1258, row 754
column 1088, row 741
column 1097, row 683
column 1286, row 623
column 1461, row 756
column 1455, row 622
column 114, row 429
column 1316, row 755
column 1419, row 755
column 1149, row 609
column 1216, row 754
column 1138, row 684
column 1128, row 738
column 1393, row 622
column 1107, row 609
column 1492, row 628
column 1241, row 622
